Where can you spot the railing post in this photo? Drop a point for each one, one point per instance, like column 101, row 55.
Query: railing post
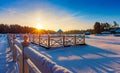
column 48, row 47
column 84, row 38
column 39, row 39
column 29, row 37
column 83, row 42
column 14, row 50
column 25, row 43
column 63, row 40
column 21, row 64
column 10, row 41
column 74, row 39
column 33, row 39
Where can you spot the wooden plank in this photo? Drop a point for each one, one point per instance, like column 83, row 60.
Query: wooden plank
column 31, row 66
column 44, row 64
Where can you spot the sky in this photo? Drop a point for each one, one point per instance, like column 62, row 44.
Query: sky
column 59, row 14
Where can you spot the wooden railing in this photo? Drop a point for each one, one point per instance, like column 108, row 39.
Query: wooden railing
column 30, row 60
column 54, row 40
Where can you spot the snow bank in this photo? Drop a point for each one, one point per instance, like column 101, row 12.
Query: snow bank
column 6, row 63
column 43, row 63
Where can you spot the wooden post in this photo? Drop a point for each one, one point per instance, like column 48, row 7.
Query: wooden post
column 83, row 42
column 63, row 40
column 14, row 50
column 26, row 68
column 29, row 37
column 25, row 43
column 84, row 38
column 10, row 41
column 48, row 47
column 33, row 39
column 39, row 39
column 21, row 64
column 75, row 40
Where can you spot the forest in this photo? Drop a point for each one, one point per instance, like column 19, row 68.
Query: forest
column 97, row 29
column 15, row 28
column 100, row 27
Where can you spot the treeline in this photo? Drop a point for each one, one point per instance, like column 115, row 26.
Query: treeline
column 79, row 31
column 100, row 27
column 15, row 28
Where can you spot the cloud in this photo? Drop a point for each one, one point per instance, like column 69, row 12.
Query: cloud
column 10, row 11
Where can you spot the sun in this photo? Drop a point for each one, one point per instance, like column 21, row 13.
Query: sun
column 39, row 26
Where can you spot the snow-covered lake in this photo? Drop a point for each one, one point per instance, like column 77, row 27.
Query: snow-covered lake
column 100, row 55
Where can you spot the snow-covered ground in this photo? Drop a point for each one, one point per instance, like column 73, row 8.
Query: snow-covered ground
column 100, row 55
column 6, row 63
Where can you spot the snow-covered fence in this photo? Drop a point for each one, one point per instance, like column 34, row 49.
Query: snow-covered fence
column 54, row 40
column 30, row 60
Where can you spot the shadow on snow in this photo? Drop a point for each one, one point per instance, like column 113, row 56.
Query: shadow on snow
column 82, row 58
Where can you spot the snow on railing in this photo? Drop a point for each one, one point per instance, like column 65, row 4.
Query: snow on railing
column 30, row 60
column 52, row 40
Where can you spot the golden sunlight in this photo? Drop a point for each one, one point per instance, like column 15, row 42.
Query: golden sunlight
column 39, row 26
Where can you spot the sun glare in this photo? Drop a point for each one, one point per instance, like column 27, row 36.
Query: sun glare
column 39, row 26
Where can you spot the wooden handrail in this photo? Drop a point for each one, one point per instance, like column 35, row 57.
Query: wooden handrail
column 32, row 61
column 66, row 40
column 31, row 66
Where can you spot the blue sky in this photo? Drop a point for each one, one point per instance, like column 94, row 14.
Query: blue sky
column 55, row 14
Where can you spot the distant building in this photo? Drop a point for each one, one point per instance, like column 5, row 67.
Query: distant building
column 106, row 32
column 113, row 30
column 87, row 33
column 60, row 32
column 117, row 32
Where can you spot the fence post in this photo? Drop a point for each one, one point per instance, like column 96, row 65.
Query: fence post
column 63, row 40
column 21, row 64
column 48, row 47
column 33, row 39
column 84, row 38
column 74, row 39
column 10, row 41
column 83, row 42
column 39, row 39
column 29, row 37
column 14, row 50
column 25, row 43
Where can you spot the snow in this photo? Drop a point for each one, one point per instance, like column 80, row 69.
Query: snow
column 5, row 55
column 45, row 64
column 100, row 55
column 106, row 32
column 117, row 31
